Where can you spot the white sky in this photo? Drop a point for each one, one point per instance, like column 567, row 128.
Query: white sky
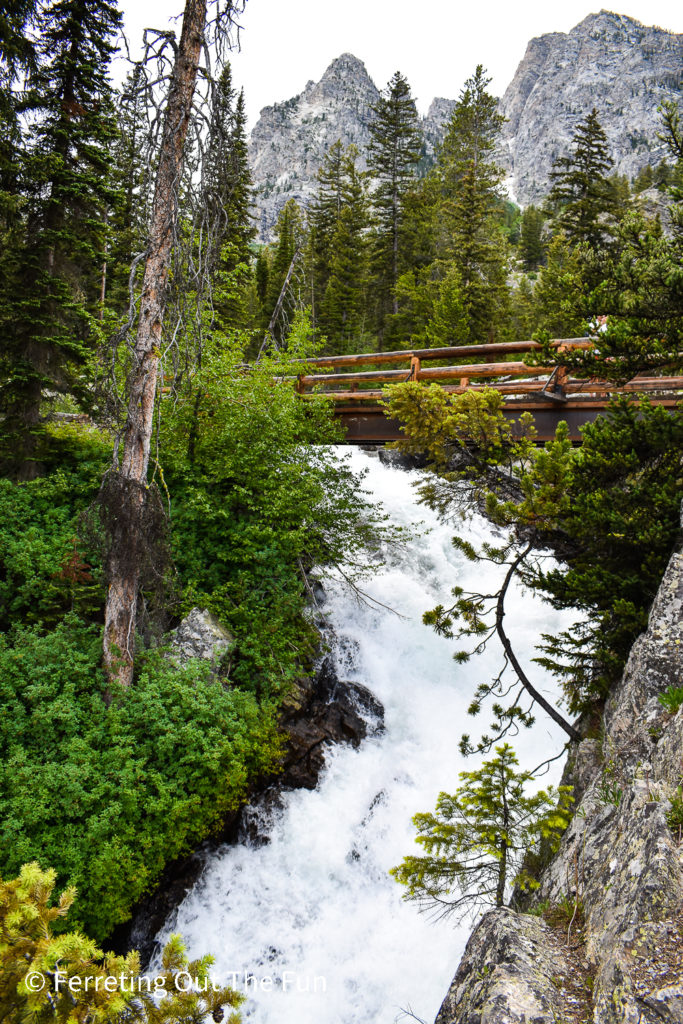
column 436, row 44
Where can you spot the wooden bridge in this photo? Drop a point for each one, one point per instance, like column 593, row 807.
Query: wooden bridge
column 551, row 394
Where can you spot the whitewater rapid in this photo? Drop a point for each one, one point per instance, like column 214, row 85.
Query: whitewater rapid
column 311, row 926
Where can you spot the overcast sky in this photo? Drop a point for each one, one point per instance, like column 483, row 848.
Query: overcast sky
column 436, row 44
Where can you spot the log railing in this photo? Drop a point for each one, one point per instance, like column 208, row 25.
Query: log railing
column 547, row 384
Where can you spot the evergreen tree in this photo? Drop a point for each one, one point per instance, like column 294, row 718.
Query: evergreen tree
column 283, row 279
column 582, row 194
column 338, row 220
column 227, row 187
column 531, row 246
column 323, row 215
column 560, row 292
column 476, row 840
column 132, row 160
column 393, row 156
column 65, row 978
column 471, row 207
column 65, row 186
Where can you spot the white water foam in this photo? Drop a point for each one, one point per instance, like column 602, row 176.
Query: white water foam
column 311, row 925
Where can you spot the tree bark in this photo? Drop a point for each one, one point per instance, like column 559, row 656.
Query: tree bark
column 124, row 566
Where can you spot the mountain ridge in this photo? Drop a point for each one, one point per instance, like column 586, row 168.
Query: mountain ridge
column 611, row 61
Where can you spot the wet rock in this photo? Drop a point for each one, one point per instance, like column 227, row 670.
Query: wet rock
column 505, row 975
column 333, row 711
column 397, row 460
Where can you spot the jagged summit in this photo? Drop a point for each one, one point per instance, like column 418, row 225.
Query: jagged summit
column 611, row 61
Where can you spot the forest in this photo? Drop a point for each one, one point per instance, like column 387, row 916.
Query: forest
column 155, row 456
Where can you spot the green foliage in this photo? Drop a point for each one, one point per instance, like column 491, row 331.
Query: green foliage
column 338, row 219
column 46, row 569
column 392, row 158
column 109, row 794
column 472, row 235
column 613, row 506
column 531, row 245
column 582, row 194
column 257, row 500
column 476, row 839
column 63, row 188
column 672, row 698
column 66, row 978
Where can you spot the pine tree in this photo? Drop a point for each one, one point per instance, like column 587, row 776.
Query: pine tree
column 582, row 194
column 560, row 293
column 285, row 253
column 128, row 219
column 393, row 156
column 323, row 215
column 227, row 186
column 471, row 207
column 475, row 841
column 65, row 978
column 531, row 247
column 65, row 188
column 338, row 220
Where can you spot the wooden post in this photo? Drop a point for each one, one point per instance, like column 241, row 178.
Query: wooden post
column 464, row 383
column 414, row 367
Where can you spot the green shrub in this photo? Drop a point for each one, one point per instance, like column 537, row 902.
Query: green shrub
column 108, row 795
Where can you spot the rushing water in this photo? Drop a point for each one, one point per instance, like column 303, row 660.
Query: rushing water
column 311, row 925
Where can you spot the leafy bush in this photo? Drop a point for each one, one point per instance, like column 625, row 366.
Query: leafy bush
column 108, row 795
column 259, row 497
column 45, row 568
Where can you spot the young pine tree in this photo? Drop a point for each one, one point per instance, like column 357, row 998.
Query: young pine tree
column 338, row 222
column 531, row 244
column 582, row 195
column 394, row 153
column 476, row 839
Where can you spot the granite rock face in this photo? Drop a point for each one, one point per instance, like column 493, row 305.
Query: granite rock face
column 608, row 61
column 505, row 974
column 619, row 859
column 289, row 141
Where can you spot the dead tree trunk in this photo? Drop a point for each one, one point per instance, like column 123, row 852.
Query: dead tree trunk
column 124, row 562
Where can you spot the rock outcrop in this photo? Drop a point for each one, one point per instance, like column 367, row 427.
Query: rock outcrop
column 619, row 864
column 608, row 61
column 289, row 141
column 199, row 635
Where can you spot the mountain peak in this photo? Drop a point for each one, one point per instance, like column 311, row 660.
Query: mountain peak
column 346, row 63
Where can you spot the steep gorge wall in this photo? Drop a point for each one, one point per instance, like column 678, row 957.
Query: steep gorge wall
column 619, row 858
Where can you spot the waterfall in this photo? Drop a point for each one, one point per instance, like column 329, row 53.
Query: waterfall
column 310, row 925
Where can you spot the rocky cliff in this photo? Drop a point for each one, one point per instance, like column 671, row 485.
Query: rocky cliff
column 290, row 139
column 620, row 960
column 608, row 61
